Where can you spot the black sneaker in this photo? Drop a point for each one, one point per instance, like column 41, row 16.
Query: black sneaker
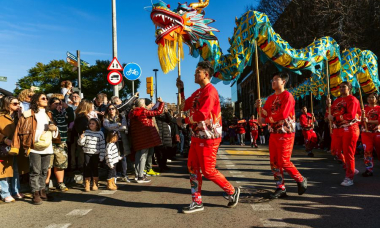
column 194, row 207
column 142, row 180
column 367, row 174
column 251, row 145
column 302, row 186
column 234, row 198
column 256, row 146
column 279, row 193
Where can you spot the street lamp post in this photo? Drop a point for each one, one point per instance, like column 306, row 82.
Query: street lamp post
column 114, row 42
column 155, row 72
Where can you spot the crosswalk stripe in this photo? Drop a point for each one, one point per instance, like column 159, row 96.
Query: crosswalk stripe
column 79, row 212
column 107, row 192
column 262, row 207
column 277, row 222
column 65, row 225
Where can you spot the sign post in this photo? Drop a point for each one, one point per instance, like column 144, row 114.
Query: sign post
column 132, row 71
column 3, row 79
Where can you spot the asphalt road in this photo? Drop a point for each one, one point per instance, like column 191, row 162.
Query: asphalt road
column 159, row 203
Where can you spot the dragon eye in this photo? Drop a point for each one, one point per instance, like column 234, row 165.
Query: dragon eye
column 180, row 12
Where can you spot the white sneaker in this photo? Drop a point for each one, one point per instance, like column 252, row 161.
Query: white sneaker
column 347, row 182
column 356, row 172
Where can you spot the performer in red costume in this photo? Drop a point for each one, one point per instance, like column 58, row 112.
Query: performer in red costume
column 206, row 122
column 307, row 121
column 240, row 128
column 371, row 138
column 345, row 113
column 279, row 113
column 254, row 127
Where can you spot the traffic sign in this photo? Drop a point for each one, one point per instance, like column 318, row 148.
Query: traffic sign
column 3, row 79
column 73, row 57
column 114, row 77
column 115, row 65
column 132, row 71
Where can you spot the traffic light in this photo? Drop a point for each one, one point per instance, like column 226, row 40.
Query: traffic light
column 149, row 86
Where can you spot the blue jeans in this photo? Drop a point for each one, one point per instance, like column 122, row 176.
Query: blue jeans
column 14, row 182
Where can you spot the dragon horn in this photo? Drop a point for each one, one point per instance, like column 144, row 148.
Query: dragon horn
column 200, row 6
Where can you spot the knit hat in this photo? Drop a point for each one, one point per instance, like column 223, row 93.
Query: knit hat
column 147, row 101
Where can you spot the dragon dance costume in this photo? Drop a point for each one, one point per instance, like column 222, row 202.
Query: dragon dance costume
column 346, row 112
column 206, row 122
column 279, row 113
column 254, row 127
column 371, row 138
column 309, row 135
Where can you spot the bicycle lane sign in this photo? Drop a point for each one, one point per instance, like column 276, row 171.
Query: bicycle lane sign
column 132, row 71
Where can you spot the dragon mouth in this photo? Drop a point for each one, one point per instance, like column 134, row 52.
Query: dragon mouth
column 166, row 21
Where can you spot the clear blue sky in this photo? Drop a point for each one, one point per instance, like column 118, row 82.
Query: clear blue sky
column 34, row 31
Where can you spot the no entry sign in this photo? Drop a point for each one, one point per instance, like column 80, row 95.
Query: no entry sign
column 114, row 77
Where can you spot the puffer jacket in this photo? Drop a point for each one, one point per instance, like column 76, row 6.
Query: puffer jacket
column 143, row 132
column 25, row 132
column 163, row 122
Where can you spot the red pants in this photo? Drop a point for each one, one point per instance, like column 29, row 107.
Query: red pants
column 311, row 139
column 254, row 135
column 280, row 151
column 202, row 156
column 346, row 139
column 336, row 149
column 370, row 141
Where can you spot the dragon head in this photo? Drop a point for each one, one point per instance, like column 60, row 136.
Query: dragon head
column 185, row 24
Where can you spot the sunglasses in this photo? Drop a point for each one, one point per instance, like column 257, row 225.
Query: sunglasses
column 16, row 103
column 43, row 98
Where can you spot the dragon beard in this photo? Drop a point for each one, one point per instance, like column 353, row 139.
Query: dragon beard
column 169, row 54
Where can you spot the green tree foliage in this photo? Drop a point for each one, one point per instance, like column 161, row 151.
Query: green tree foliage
column 48, row 78
column 226, row 108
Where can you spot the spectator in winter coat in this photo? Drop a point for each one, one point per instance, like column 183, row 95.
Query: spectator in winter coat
column 161, row 151
column 144, row 135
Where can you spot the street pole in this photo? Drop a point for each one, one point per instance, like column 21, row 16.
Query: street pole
column 155, row 72
column 79, row 77
column 114, row 44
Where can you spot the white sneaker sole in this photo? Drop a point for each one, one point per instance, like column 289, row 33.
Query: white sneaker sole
column 195, row 210
column 347, row 185
column 143, row 182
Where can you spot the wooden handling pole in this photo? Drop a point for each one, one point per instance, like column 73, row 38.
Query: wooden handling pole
column 328, row 91
column 179, row 77
column 311, row 97
column 257, row 78
column 361, row 103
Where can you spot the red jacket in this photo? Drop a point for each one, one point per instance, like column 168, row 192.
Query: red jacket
column 372, row 114
column 205, row 117
column 279, row 113
column 253, row 124
column 306, row 121
column 346, row 111
column 144, row 133
column 241, row 126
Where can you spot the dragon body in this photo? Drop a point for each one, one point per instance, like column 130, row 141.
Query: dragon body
column 187, row 24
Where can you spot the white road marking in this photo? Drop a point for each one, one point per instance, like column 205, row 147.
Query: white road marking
column 277, row 222
column 96, row 200
column 65, row 225
column 235, row 171
column 238, row 175
column 262, row 207
column 79, row 212
column 107, row 192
